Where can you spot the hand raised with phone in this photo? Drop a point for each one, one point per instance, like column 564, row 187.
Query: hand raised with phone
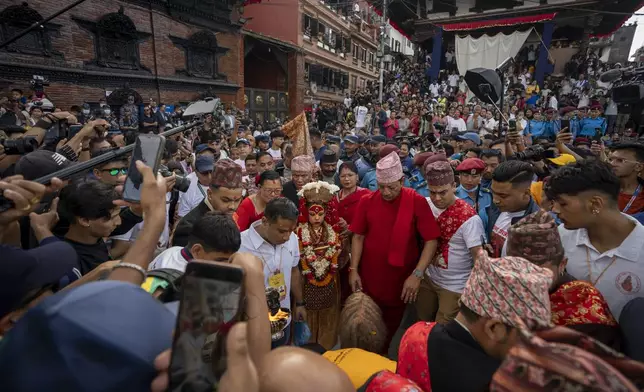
column 153, row 191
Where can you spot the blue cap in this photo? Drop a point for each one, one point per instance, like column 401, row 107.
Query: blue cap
column 470, row 136
column 98, row 336
column 203, row 147
column 351, row 139
column 261, row 138
column 204, row 163
column 242, row 140
column 26, row 270
column 379, row 139
column 361, row 139
column 333, row 139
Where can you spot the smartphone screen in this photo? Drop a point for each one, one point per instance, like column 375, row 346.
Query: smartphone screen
column 211, row 303
column 598, row 135
column 565, row 124
column 148, row 149
column 73, row 130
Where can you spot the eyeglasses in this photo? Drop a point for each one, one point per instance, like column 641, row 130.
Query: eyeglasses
column 272, row 191
column 116, row 171
column 620, row 160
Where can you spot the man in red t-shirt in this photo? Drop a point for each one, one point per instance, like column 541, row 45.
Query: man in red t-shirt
column 627, row 161
column 388, row 262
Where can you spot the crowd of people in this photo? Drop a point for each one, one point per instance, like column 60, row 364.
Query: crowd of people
column 424, row 243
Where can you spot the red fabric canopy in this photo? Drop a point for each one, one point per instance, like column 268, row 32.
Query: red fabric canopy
column 498, row 22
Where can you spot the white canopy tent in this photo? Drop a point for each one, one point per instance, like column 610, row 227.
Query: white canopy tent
column 487, row 51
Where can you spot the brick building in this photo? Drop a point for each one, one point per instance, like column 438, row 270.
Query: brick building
column 168, row 50
column 307, row 52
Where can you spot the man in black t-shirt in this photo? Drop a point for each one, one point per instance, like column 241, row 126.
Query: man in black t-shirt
column 89, row 207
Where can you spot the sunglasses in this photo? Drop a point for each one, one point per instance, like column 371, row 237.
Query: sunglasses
column 116, row 171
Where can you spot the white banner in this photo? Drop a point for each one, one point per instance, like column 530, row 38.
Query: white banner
column 487, row 51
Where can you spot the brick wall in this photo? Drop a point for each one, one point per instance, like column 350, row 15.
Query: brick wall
column 77, row 47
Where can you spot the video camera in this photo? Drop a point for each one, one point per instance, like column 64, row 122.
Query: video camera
column 38, row 83
column 181, row 182
column 20, row 146
column 533, row 153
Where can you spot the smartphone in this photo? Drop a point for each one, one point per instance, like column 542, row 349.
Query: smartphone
column 148, row 149
column 212, row 299
column 565, row 124
column 512, row 124
column 73, row 130
column 598, row 135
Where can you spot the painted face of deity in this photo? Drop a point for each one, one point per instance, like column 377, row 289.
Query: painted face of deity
column 316, row 215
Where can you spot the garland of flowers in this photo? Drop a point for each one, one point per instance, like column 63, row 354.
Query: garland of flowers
column 319, row 270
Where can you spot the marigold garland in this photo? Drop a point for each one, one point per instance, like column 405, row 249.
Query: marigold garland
column 318, row 270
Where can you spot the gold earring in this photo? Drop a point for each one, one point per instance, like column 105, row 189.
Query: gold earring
column 595, row 212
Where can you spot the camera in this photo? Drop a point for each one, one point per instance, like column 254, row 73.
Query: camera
column 20, row 146
column 533, row 153
column 181, row 184
column 37, row 84
column 433, row 141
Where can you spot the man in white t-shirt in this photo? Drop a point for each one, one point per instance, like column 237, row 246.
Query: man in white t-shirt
column 453, row 80
column 456, row 121
column 554, row 103
column 277, row 139
column 199, row 183
column 361, row 114
column 348, row 101
column 512, row 198
column 215, row 237
column 273, row 241
column 460, row 241
column 603, row 245
column 434, row 89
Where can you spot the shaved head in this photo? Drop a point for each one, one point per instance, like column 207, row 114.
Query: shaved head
column 293, row 369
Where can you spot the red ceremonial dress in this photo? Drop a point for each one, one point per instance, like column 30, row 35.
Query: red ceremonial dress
column 247, row 214
column 395, row 233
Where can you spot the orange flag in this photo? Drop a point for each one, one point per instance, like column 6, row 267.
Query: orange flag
column 298, row 131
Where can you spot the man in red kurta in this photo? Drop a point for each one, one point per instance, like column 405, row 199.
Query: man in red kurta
column 395, row 237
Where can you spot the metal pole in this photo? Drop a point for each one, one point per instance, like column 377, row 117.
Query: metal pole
column 382, row 50
column 39, row 24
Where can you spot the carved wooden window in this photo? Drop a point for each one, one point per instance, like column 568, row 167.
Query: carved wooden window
column 202, row 54
column 117, row 42
column 16, row 18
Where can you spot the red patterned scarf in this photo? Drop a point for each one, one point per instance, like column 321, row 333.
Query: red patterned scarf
column 578, row 302
column 449, row 222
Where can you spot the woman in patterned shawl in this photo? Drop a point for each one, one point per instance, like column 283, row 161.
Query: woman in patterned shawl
column 575, row 304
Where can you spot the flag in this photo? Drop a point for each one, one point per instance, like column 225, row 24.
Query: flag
column 298, row 131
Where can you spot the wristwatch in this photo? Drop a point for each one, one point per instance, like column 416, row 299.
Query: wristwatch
column 418, row 273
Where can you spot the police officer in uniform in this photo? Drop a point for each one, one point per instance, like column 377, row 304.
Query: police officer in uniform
column 417, row 176
column 470, row 190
